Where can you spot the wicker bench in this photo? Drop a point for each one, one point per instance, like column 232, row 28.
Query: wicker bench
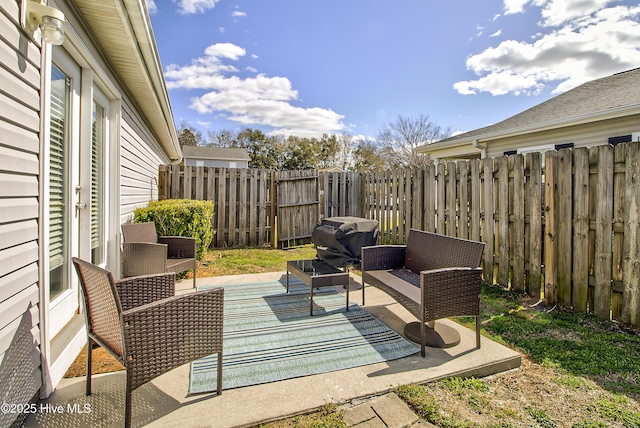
column 433, row 277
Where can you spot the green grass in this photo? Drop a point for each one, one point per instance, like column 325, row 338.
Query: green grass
column 594, row 363
column 234, row 261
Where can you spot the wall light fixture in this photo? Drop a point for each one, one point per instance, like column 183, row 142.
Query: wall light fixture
column 49, row 19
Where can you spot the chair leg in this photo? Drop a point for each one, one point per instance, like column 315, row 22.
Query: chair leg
column 194, row 272
column 478, row 331
column 219, row 372
column 423, row 338
column 89, row 352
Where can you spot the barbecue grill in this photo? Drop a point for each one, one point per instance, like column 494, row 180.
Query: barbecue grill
column 338, row 240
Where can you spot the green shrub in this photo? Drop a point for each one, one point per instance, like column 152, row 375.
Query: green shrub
column 180, row 217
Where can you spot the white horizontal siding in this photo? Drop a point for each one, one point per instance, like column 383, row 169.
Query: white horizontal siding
column 12, row 185
column 20, row 372
column 587, row 135
column 12, row 210
column 12, row 160
column 140, row 158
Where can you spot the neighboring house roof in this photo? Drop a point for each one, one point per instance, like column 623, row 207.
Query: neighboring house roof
column 123, row 30
column 606, row 98
column 217, row 153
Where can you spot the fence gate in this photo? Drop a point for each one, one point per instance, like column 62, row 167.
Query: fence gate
column 298, row 207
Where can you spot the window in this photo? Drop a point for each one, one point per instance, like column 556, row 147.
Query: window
column 58, row 177
column 97, row 183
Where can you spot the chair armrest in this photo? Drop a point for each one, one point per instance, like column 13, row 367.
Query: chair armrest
column 142, row 258
column 141, row 290
column 168, row 333
column 179, row 246
column 450, row 292
column 382, row 257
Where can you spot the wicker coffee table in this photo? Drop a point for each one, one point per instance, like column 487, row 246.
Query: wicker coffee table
column 317, row 273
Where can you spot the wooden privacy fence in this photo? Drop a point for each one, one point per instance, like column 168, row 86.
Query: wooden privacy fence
column 563, row 227
column 248, row 203
column 243, row 209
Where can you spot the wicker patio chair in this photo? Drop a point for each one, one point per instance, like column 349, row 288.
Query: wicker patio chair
column 145, row 327
column 143, row 252
column 433, row 277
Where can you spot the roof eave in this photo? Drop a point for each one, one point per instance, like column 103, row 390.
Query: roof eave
column 546, row 126
column 123, row 29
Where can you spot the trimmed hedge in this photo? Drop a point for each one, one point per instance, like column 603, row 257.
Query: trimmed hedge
column 180, row 217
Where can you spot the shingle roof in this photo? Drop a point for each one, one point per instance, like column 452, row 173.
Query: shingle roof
column 597, row 97
column 219, row 153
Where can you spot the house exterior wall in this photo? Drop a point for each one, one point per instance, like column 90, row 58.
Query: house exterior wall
column 20, row 367
column 585, row 135
column 27, row 367
column 216, row 163
column 140, row 158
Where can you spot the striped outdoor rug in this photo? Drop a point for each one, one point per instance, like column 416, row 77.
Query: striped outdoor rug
column 269, row 336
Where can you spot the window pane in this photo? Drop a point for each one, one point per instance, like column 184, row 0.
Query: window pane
column 58, row 179
column 97, row 143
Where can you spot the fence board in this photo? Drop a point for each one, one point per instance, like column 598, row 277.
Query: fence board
column 429, row 192
column 488, row 231
column 619, row 157
column 450, row 199
column 221, row 207
column 564, row 230
column 475, row 199
column 517, row 281
column 200, row 182
column 440, row 180
column 535, row 224
column 604, row 212
column 463, row 200
column 253, row 207
column 550, row 228
column 631, row 273
column 580, row 274
column 501, row 165
column 242, row 208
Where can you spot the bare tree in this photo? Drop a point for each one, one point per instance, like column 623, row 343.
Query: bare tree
column 399, row 140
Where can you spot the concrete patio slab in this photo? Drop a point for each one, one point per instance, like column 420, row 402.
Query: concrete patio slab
column 164, row 402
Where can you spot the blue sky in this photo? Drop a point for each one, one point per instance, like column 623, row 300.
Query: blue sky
column 308, row 67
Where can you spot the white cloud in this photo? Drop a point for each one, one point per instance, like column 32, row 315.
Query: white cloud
column 514, row 6
column 151, row 7
column 583, row 48
column 259, row 100
column 497, row 33
column 237, row 13
column 558, row 12
column 195, row 6
column 221, row 29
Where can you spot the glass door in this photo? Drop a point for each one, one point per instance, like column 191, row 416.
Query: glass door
column 62, row 183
